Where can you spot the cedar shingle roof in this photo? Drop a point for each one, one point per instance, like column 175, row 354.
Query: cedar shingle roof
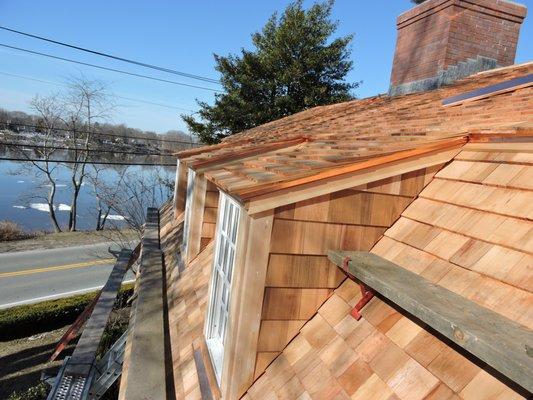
column 470, row 231
column 326, row 137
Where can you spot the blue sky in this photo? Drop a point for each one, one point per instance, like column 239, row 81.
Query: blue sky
column 176, row 34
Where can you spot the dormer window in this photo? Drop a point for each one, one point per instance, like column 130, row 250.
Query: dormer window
column 223, row 261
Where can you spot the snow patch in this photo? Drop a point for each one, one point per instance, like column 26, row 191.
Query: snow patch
column 40, row 207
column 115, row 217
column 21, row 207
column 44, row 207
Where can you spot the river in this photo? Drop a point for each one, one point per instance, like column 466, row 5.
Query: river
column 20, row 191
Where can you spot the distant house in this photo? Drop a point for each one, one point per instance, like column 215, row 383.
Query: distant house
column 435, row 178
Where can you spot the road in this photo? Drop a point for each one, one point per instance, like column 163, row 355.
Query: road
column 38, row 275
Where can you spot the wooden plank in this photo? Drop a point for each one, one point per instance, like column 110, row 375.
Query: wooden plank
column 84, row 355
column 203, row 379
column 501, row 343
column 197, row 217
column 351, row 206
column 293, row 304
column 144, row 359
column 200, row 345
column 315, row 238
column 210, row 214
column 208, row 230
column 211, row 199
column 180, row 189
column 302, row 271
column 359, row 207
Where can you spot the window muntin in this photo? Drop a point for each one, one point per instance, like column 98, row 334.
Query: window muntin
column 224, row 258
column 188, row 207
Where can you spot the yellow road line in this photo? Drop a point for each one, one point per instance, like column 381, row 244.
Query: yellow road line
column 57, row 268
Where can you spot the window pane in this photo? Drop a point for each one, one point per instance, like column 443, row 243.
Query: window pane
column 225, row 296
column 230, row 218
column 234, row 227
column 230, row 264
column 221, row 251
column 224, row 323
column 225, row 258
column 220, row 329
column 224, row 215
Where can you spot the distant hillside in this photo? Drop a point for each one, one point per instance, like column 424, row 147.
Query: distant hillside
column 19, row 121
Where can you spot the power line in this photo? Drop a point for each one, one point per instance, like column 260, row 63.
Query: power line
column 107, row 68
column 101, row 134
column 120, row 97
column 81, row 150
column 142, row 64
column 88, row 162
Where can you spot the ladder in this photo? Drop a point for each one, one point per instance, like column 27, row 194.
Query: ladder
column 80, row 372
column 70, row 387
column 109, row 368
column 104, row 373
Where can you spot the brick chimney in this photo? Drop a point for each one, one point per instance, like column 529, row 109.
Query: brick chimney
column 440, row 41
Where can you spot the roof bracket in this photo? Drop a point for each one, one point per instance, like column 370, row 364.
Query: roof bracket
column 366, row 293
column 367, row 296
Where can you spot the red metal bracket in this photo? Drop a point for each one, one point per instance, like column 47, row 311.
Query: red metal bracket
column 366, row 292
column 367, row 296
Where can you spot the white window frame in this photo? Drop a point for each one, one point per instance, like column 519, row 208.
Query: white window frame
column 191, row 176
column 226, row 239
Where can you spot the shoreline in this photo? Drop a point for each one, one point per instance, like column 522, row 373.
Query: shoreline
column 66, row 239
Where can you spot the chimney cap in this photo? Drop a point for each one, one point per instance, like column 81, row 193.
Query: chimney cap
column 512, row 10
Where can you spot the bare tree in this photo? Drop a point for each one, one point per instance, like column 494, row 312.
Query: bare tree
column 48, row 110
column 104, row 192
column 86, row 102
column 135, row 192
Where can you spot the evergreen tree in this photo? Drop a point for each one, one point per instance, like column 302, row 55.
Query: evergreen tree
column 295, row 65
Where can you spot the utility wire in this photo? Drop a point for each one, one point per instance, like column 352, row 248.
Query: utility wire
column 106, row 68
column 99, row 162
column 81, row 150
column 102, row 134
column 142, row 64
column 120, row 97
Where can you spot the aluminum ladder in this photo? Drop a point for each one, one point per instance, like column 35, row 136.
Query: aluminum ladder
column 104, row 373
